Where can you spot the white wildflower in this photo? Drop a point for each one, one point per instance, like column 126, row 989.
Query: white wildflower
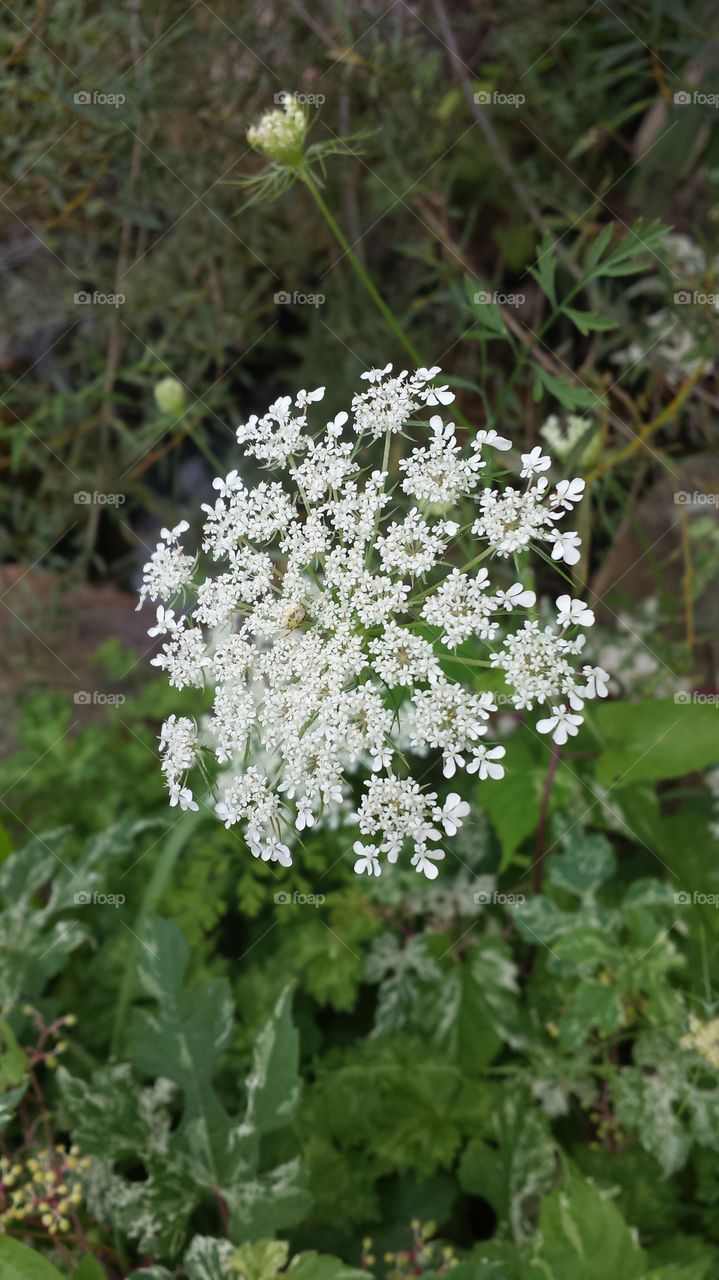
column 322, row 613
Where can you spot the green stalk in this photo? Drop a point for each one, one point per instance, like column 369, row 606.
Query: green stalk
column 369, row 285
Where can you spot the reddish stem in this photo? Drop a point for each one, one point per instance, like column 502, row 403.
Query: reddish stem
column 539, row 849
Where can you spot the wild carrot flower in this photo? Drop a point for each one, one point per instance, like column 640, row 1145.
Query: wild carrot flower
column 324, row 613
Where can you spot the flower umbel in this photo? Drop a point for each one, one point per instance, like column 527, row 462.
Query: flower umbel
column 327, row 626
column 280, row 134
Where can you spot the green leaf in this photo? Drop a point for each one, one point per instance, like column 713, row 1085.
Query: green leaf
column 545, row 269
column 568, row 393
column 183, row 1038
column 589, row 321
column 88, row 1268
column 586, row 862
column 315, row 1266
column 17, row 1262
column 654, row 739
column 13, row 1059
column 9, row 1102
column 273, row 1087
column 514, row 1165
column 260, row 1260
column 209, row 1259
column 478, row 1005
column 599, row 245
column 514, row 801
column 582, row 1233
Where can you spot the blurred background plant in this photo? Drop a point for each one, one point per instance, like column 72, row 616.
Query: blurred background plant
column 488, row 1056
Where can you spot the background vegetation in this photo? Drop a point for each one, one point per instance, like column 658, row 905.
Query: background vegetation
column 209, row 1070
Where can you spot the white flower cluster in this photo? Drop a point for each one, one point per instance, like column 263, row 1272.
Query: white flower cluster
column 327, row 626
column 279, row 134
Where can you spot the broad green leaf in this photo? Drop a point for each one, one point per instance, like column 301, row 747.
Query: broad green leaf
column 183, row 1038
column 314, row 1266
column 260, row 1260
column 655, row 739
column 17, row 1262
column 582, row 1233
column 478, row 1005
column 88, row 1268
column 208, row 1259
column 514, row 801
column 13, row 1059
column 273, row 1086
column 514, row 1165
column 585, row 863
column 9, row 1102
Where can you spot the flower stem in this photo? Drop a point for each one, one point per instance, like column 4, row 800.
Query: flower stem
column 368, row 283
